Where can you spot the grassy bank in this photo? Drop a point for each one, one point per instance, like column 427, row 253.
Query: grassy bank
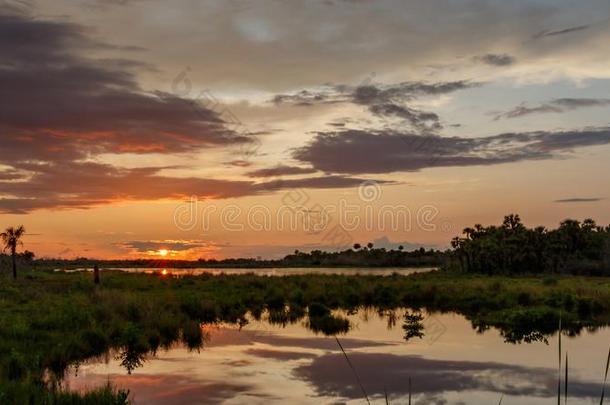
column 51, row 320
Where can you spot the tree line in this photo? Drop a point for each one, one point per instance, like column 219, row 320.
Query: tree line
column 512, row 248
column 367, row 256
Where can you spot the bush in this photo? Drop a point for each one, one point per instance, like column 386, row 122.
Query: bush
column 317, row 310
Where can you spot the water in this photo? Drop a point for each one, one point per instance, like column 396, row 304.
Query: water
column 279, row 271
column 276, row 364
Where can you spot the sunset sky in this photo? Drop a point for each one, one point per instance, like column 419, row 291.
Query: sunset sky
column 148, row 128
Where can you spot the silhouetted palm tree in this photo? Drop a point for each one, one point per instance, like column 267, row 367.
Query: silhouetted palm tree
column 11, row 238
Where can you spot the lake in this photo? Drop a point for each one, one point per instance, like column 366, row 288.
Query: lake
column 271, row 363
column 277, row 271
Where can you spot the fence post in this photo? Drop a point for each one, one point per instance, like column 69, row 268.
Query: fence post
column 96, row 274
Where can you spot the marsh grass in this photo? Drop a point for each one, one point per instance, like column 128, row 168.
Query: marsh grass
column 353, row 369
column 49, row 321
column 605, row 379
column 559, row 374
column 566, row 381
column 21, row 394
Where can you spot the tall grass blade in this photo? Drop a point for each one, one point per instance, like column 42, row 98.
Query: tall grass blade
column 559, row 375
column 409, row 390
column 601, row 402
column 501, row 398
column 565, row 382
column 354, row 371
column 387, row 402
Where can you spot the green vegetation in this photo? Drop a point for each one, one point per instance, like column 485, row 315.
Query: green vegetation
column 19, row 393
column 367, row 257
column 49, row 321
column 511, row 248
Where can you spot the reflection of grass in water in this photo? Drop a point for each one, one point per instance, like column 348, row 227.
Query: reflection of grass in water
column 566, row 372
column 37, row 394
column 322, row 320
column 49, row 321
column 414, row 328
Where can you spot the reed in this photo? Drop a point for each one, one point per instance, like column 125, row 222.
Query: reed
column 559, row 374
column 349, row 362
column 565, row 392
column 601, row 401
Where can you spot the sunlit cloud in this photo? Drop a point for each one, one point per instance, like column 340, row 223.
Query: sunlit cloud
column 166, row 248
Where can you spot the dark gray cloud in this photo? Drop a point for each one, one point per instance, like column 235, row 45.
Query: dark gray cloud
column 64, row 102
column 305, row 98
column 234, row 336
column 422, row 121
column 176, row 388
column 282, row 355
column 578, row 200
column 521, row 111
column 331, row 377
column 386, row 101
column 390, row 151
column 83, row 185
column 497, row 59
column 370, row 94
column 563, row 31
column 313, row 182
column 141, row 246
column 65, row 109
column 373, row 94
column 558, row 105
column 281, row 170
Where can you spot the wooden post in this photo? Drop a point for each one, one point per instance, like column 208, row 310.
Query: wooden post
column 96, row 274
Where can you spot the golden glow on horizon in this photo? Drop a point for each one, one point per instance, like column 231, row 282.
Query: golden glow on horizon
column 163, row 252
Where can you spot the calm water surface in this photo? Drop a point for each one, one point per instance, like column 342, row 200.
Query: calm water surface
column 280, row 271
column 275, row 364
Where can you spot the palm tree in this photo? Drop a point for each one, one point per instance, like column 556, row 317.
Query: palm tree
column 11, row 238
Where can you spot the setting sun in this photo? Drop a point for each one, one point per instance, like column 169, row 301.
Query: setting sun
column 163, row 252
